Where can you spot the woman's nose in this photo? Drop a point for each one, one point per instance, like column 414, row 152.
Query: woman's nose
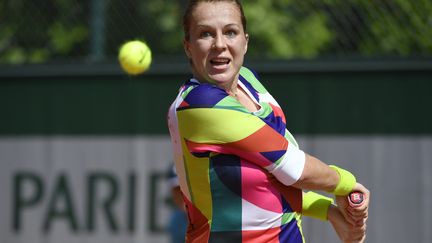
column 219, row 42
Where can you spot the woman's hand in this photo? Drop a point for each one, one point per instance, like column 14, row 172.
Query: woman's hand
column 356, row 216
column 346, row 232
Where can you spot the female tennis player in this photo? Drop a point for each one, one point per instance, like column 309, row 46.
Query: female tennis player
column 241, row 172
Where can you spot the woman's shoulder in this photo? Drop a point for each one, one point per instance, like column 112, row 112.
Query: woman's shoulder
column 249, row 72
column 250, row 76
column 204, row 95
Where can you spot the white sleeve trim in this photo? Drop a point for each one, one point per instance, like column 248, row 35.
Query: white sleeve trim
column 289, row 170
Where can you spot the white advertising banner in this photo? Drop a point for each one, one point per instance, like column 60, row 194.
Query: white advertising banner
column 113, row 189
column 84, row 189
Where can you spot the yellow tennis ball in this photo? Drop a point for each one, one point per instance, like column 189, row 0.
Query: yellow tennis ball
column 135, row 57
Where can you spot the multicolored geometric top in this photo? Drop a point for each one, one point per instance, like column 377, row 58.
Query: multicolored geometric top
column 235, row 167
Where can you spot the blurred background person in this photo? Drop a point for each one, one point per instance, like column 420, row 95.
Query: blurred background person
column 178, row 219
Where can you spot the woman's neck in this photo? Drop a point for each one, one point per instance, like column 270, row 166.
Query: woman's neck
column 232, row 88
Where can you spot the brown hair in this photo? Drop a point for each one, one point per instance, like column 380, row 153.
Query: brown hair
column 192, row 5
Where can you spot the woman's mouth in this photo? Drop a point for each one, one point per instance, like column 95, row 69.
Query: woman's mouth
column 220, row 61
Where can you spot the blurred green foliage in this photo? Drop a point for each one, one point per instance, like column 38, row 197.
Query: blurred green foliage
column 281, row 29
column 40, row 31
column 65, row 30
column 408, row 30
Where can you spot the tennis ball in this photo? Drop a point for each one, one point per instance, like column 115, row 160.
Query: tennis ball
column 135, row 57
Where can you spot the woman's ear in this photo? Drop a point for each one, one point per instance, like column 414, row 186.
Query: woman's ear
column 186, row 48
column 247, row 42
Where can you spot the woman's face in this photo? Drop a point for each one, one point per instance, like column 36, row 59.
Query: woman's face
column 217, row 42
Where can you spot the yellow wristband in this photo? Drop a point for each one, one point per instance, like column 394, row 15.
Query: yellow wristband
column 316, row 205
column 346, row 183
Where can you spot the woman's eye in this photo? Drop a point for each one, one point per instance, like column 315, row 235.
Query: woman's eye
column 205, row 34
column 231, row 33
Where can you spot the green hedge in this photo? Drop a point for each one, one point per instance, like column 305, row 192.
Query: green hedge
column 314, row 101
